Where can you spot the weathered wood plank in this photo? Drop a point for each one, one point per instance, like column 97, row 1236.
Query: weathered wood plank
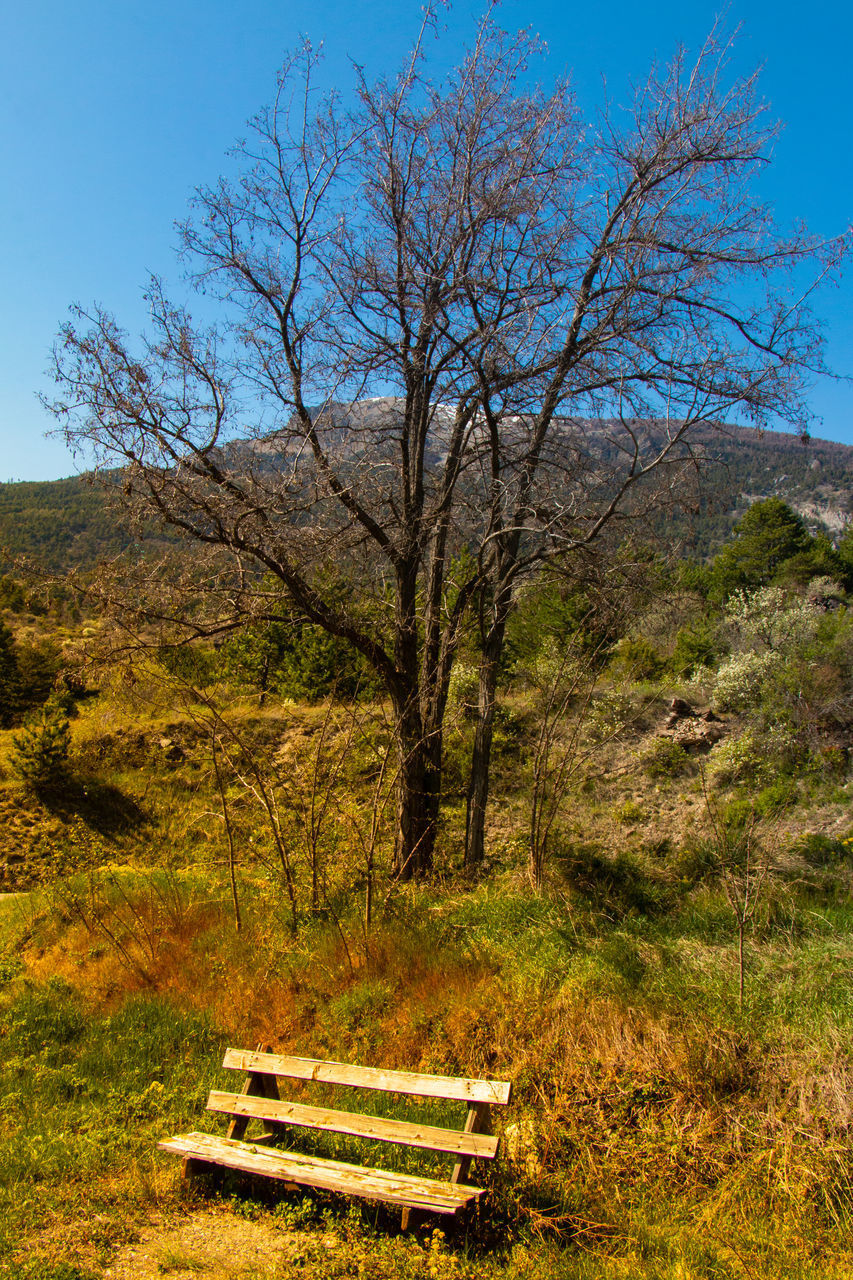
column 477, row 1122
column 257, row 1084
column 327, row 1175
column 496, row 1092
column 404, row 1133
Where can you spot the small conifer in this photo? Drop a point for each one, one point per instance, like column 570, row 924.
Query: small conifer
column 40, row 755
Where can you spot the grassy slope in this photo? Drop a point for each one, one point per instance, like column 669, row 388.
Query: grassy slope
column 661, row 1131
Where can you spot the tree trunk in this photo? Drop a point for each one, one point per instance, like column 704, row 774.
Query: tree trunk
column 481, row 754
column 740, row 931
column 418, row 796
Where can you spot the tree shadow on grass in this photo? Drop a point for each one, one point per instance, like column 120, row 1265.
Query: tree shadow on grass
column 619, row 886
column 102, row 807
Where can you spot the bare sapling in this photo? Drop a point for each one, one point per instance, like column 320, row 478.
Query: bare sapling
column 559, row 752
column 325, row 838
column 229, row 831
column 572, row 724
column 744, row 869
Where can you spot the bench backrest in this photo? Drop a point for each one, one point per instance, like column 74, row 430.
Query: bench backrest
column 260, row 1101
column 496, row 1092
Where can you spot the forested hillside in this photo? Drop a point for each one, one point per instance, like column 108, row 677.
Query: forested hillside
column 813, row 476
column 61, row 524
column 69, row 523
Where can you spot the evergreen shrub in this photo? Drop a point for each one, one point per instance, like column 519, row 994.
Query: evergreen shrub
column 41, row 748
column 665, row 758
column 696, row 647
column 639, row 659
column 820, row 850
column 768, row 802
column 629, row 812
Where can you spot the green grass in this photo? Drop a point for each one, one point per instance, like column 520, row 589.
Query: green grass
column 666, row 1144
column 86, row 1096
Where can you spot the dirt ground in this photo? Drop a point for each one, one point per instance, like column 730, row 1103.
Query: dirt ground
column 209, row 1244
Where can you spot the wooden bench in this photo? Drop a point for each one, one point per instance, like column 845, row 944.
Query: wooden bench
column 260, row 1101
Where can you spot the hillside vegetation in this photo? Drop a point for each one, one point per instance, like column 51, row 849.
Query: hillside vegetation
column 658, row 953
column 69, row 524
column 62, row 524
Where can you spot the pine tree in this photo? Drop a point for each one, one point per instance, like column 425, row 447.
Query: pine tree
column 10, row 683
column 40, row 754
column 770, row 534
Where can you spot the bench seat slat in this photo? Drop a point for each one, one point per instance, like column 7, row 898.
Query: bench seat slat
column 327, row 1175
column 417, row 1084
column 428, row 1137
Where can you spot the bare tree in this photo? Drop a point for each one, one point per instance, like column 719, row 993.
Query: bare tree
column 557, row 756
column 415, row 290
column 744, row 866
column 676, row 302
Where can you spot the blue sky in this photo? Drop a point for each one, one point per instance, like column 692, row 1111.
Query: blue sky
column 112, row 111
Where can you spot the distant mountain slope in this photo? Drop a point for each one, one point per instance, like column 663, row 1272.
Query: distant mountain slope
column 61, row 524
column 58, row 522
column 69, row 524
column 815, row 477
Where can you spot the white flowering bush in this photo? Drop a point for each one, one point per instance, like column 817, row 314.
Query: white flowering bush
column 741, row 758
column 609, row 715
column 790, row 675
column 773, row 630
column 741, row 681
column 554, row 669
column 773, row 619
column 754, row 756
column 464, row 688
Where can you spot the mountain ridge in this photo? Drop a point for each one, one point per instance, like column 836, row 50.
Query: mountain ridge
column 69, row 523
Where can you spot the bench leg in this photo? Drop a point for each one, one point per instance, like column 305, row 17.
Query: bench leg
column 413, row 1218
column 193, row 1168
